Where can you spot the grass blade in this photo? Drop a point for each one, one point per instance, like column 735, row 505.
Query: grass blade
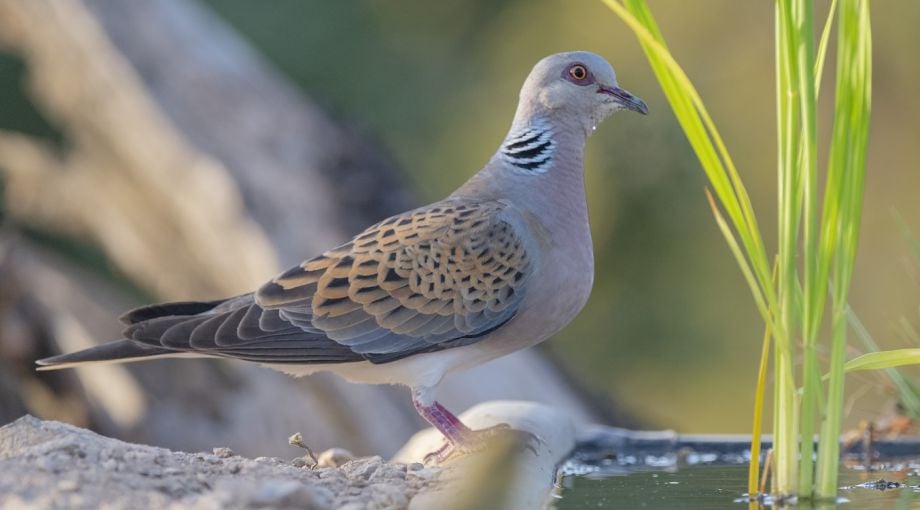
column 884, row 359
column 907, row 393
column 707, row 144
column 845, row 186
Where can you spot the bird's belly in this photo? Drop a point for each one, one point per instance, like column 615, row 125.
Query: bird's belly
column 420, row 370
column 536, row 323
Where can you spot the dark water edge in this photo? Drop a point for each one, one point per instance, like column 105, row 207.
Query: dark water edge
column 614, row 468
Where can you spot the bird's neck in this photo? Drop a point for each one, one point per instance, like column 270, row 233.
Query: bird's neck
column 529, row 148
column 537, row 144
column 541, row 164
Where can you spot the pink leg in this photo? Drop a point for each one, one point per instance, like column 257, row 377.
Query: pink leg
column 445, row 421
column 459, row 436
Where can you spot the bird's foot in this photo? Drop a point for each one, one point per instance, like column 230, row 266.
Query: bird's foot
column 478, row 440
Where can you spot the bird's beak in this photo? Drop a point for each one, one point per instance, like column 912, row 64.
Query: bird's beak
column 629, row 101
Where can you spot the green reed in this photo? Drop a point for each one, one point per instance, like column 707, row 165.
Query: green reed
column 818, row 233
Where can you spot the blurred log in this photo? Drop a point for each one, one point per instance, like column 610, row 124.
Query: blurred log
column 194, row 166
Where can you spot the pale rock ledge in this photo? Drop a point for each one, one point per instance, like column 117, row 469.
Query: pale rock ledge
column 45, row 465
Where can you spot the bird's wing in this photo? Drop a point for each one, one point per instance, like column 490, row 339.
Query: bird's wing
column 446, row 272
column 429, row 279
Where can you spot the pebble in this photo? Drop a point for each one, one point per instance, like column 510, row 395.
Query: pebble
column 68, row 485
column 223, row 453
column 389, row 472
column 334, row 457
column 362, row 468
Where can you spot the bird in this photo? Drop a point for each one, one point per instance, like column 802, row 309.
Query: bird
column 501, row 264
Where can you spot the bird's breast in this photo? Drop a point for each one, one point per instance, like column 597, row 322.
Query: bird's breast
column 560, row 282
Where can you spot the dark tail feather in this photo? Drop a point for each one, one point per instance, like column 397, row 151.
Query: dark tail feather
column 117, row 351
column 145, row 313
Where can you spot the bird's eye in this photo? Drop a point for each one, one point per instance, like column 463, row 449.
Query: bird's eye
column 578, row 74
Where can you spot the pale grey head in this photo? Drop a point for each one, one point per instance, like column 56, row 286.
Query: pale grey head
column 563, row 99
column 577, row 83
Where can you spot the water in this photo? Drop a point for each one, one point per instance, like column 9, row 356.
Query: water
column 704, row 487
column 616, row 468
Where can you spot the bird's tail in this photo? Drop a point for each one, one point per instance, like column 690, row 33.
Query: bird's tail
column 177, row 308
column 119, row 351
column 126, row 350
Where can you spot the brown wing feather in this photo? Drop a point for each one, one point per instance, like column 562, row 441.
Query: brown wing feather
column 437, row 274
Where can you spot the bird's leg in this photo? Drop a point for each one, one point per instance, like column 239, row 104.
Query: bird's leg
column 445, row 421
column 459, row 437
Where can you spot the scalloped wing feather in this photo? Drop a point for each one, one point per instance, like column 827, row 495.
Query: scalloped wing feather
column 448, row 271
column 430, row 279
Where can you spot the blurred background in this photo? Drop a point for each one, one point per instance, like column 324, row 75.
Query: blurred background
column 185, row 149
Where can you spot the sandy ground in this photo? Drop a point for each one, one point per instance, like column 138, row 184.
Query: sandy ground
column 46, row 465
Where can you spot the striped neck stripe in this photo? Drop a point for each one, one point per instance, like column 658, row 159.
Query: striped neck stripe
column 529, row 149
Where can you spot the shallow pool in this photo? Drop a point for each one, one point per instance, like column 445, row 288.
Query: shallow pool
column 714, row 486
column 618, row 468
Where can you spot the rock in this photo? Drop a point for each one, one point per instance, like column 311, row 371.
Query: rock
column 50, row 465
column 425, row 473
column 45, row 465
column 334, row 457
column 527, row 455
column 362, row 468
column 224, row 453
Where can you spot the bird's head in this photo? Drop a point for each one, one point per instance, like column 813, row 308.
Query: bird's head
column 577, row 84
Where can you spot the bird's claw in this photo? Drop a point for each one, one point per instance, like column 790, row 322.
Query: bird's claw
column 478, row 440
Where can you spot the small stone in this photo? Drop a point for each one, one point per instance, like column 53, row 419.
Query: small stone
column 224, row 453
column 334, row 457
column 426, row 473
column 207, row 457
column 362, row 468
column 415, row 466
column 389, row 472
column 68, row 485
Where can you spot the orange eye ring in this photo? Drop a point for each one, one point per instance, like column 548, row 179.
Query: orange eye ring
column 578, row 72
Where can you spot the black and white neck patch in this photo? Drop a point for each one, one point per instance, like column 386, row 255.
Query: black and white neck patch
column 530, row 149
